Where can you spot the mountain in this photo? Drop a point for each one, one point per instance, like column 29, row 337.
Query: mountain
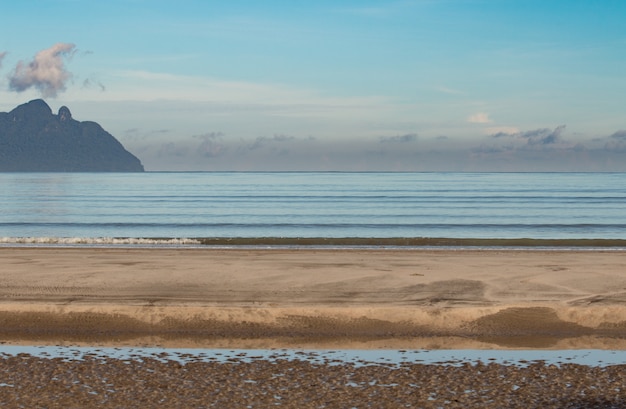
column 33, row 139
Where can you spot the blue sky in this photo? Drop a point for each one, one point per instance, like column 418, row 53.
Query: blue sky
column 426, row 85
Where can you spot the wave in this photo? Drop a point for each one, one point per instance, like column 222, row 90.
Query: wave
column 411, row 242
column 325, row 225
column 97, row 241
column 336, row 242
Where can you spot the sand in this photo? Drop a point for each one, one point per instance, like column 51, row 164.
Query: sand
column 309, row 298
column 314, row 297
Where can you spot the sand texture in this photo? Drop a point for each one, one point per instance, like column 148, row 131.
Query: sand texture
column 309, row 298
column 314, row 297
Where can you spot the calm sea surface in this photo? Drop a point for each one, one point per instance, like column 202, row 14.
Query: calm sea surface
column 313, row 205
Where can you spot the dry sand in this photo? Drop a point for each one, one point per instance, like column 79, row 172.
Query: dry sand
column 314, row 299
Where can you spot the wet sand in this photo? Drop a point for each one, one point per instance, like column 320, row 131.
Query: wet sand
column 309, row 298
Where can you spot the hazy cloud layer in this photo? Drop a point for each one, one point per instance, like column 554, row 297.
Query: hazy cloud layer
column 211, row 145
column 525, row 142
column 2, row 55
column 170, row 150
column 541, row 149
column 281, row 151
column 542, row 136
column 46, row 72
column 271, row 142
column 619, row 135
column 411, row 137
column 616, row 142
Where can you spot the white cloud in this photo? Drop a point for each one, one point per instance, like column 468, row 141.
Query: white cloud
column 479, row 118
column 46, row 72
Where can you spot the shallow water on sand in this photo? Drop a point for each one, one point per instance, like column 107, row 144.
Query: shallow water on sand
column 590, row 357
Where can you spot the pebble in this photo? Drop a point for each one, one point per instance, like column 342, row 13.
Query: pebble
column 97, row 381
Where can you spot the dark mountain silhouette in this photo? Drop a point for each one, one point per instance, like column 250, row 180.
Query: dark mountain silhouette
column 33, row 139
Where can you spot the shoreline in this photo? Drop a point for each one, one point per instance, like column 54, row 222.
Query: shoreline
column 337, row 243
column 306, row 297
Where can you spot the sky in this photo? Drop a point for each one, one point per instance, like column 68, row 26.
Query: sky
column 422, row 85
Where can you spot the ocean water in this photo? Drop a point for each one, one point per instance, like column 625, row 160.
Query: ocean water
column 98, row 207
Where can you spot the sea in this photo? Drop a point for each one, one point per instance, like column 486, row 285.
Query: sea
column 313, row 208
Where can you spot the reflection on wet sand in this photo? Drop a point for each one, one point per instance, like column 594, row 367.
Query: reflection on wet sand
column 514, row 327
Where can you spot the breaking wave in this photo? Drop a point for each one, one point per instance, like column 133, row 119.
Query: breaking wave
column 113, row 241
column 322, row 242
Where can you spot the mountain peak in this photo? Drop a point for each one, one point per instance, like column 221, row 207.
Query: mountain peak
column 34, row 108
column 33, row 139
column 64, row 114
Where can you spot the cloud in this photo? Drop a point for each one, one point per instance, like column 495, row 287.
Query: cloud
column 46, row 72
column 181, row 154
column 541, row 136
column 501, row 131
column 170, row 149
column 411, row 137
column 479, row 118
column 90, row 83
column 211, row 144
column 537, row 140
column 2, row 55
column 619, row 135
column 616, row 142
column 263, row 141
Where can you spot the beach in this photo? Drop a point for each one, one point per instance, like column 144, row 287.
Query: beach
column 310, row 298
column 307, row 297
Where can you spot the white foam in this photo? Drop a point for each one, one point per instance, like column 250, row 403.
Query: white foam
column 100, row 241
